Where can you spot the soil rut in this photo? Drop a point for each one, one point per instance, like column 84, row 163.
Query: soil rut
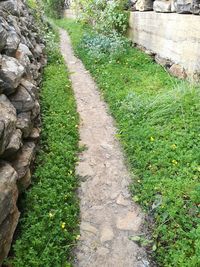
column 108, row 215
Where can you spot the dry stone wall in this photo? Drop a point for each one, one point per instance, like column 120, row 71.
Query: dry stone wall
column 21, row 62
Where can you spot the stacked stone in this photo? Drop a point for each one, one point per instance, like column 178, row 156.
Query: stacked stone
column 21, row 62
column 167, row 6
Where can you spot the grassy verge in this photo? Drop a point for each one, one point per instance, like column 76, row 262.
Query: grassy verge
column 158, row 120
column 48, row 225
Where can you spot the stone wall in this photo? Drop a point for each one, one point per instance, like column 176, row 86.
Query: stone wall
column 173, row 39
column 21, row 62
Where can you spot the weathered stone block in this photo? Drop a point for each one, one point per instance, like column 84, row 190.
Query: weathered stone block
column 144, row 5
column 183, row 6
column 24, row 123
column 10, row 6
column 14, row 145
column 12, row 42
column 24, row 158
column 8, row 190
column 8, row 121
column 162, row 6
column 9, row 213
column 7, row 229
column 11, row 72
column 3, row 37
column 195, row 7
column 22, row 100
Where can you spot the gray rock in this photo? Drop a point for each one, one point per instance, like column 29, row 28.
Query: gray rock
column 12, row 42
column 22, row 100
column 14, row 145
column 24, row 123
column 183, row 6
column 3, row 37
column 144, row 5
column 36, row 110
column 10, row 6
column 26, row 51
column 195, row 7
column 24, row 158
column 24, row 60
column 11, row 73
column 163, row 61
column 8, row 190
column 30, row 87
column 162, row 6
column 25, row 181
column 8, row 121
column 35, row 134
column 9, row 213
column 7, row 229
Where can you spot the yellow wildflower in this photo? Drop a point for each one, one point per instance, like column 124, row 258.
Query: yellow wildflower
column 174, row 146
column 50, row 214
column 63, row 225
column 174, row 162
column 78, row 237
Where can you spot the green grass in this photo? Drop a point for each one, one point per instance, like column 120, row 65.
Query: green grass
column 49, row 222
column 158, row 118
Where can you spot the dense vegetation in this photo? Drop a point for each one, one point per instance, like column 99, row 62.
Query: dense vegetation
column 48, row 225
column 52, row 8
column 158, row 120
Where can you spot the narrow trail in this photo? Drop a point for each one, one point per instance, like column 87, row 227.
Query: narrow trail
column 108, row 215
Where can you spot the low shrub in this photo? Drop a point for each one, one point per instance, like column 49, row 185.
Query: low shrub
column 105, row 16
column 99, row 46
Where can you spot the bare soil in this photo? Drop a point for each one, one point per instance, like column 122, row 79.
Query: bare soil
column 109, row 217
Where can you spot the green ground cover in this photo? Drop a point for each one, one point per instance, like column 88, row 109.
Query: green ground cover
column 158, row 118
column 49, row 221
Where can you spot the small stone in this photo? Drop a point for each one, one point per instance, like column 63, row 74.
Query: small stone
column 163, row 61
column 131, row 222
column 106, row 234
column 102, row 251
column 88, row 228
column 122, row 201
column 178, row 71
column 84, row 170
column 114, row 195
